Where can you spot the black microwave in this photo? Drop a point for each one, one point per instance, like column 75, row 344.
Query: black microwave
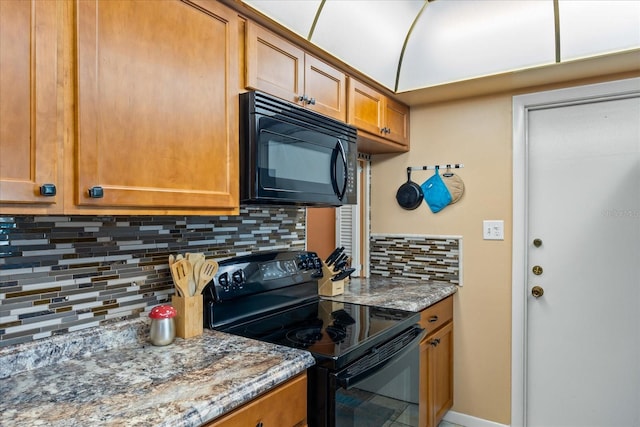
column 292, row 155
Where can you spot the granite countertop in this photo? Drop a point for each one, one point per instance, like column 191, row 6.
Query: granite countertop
column 396, row 292
column 111, row 376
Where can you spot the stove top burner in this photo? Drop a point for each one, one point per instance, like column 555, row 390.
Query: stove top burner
column 304, row 337
column 263, row 328
column 336, row 333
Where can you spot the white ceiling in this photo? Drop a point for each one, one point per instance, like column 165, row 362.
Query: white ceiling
column 412, row 44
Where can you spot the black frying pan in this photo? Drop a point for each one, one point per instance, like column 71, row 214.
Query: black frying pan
column 409, row 195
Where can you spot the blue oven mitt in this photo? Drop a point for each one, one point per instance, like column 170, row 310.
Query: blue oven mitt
column 436, row 193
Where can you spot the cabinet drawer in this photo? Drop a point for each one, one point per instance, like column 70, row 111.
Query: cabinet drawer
column 285, row 406
column 432, row 318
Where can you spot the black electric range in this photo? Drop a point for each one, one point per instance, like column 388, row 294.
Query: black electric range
column 273, row 297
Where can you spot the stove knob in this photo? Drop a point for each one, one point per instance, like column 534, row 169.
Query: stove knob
column 238, row 277
column 317, row 263
column 303, row 264
column 223, row 280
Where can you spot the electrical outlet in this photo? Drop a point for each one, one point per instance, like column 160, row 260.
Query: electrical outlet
column 493, row 230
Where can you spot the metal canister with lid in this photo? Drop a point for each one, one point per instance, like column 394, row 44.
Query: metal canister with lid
column 163, row 328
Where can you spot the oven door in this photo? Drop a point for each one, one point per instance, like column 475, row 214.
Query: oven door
column 383, row 393
column 295, row 163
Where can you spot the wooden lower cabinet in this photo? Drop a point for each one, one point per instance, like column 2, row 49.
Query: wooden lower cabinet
column 284, row 406
column 436, row 363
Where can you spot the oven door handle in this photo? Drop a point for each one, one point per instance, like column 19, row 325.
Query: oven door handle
column 346, row 380
column 338, row 154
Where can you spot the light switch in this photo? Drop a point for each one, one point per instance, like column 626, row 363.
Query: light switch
column 493, row 229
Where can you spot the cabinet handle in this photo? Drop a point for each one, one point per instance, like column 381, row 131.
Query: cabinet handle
column 307, row 100
column 435, row 342
column 48, row 190
column 96, row 192
column 259, row 424
column 433, row 319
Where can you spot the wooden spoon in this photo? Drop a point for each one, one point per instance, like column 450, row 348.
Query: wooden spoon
column 181, row 271
column 197, row 268
column 195, row 259
column 208, row 270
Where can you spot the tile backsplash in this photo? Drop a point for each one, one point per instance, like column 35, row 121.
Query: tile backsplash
column 435, row 258
column 65, row 273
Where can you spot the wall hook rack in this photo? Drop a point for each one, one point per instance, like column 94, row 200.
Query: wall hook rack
column 434, row 167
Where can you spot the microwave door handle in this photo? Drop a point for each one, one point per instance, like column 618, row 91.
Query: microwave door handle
column 338, row 154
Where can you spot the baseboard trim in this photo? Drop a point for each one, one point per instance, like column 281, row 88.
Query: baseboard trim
column 469, row 421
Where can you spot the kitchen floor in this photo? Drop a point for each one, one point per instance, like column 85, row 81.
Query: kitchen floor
column 363, row 408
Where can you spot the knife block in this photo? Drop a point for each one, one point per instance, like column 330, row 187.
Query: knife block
column 189, row 319
column 327, row 287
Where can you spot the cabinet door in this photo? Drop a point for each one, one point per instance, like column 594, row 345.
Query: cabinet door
column 29, row 143
column 274, row 65
column 366, row 108
column 285, row 406
column 436, row 376
column 325, row 85
column 397, row 121
column 157, row 104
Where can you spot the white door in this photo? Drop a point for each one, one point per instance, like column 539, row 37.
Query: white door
column 582, row 335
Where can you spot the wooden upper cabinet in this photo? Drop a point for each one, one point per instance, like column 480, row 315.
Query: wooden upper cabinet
column 366, row 108
column 325, row 89
column 29, row 140
column 397, row 121
column 278, row 67
column 383, row 122
column 273, row 64
column 157, row 105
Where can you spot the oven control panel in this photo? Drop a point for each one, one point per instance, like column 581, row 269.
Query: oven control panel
column 253, row 274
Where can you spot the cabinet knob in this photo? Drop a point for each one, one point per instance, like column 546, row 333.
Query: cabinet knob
column 537, row 242
column 96, row 192
column 302, row 98
column 311, row 101
column 48, row 190
column 435, row 342
column 259, row 424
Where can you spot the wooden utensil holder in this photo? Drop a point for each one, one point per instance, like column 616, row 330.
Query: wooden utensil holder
column 327, row 287
column 189, row 319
